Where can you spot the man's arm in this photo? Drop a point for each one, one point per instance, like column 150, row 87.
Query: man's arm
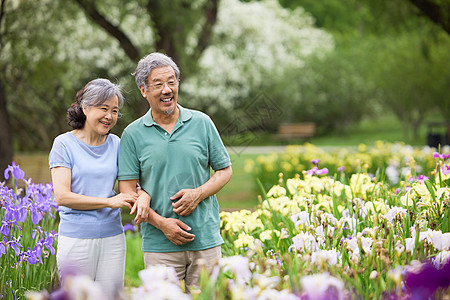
column 174, row 229
column 190, row 198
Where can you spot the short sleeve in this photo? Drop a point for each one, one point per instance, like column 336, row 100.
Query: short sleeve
column 218, row 155
column 59, row 156
column 128, row 161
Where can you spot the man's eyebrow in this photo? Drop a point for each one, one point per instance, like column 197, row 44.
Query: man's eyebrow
column 159, row 79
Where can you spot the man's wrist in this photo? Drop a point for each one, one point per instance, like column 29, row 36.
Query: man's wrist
column 156, row 220
column 200, row 195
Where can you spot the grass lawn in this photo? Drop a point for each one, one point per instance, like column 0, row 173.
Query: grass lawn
column 386, row 128
column 240, row 192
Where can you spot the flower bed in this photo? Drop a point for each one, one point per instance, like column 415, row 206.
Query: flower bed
column 27, row 236
column 390, row 163
column 329, row 235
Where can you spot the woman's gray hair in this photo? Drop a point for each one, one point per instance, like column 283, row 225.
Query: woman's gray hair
column 152, row 61
column 98, row 91
column 94, row 93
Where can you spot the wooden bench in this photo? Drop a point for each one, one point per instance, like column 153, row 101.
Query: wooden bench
column 290, row 131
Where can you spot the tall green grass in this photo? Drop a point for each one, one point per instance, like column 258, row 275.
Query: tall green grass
column 134, row 259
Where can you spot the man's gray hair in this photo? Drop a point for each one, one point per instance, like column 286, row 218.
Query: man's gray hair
column 152, row 61
column 98, row 91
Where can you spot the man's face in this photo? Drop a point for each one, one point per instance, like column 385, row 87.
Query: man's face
column 162, row 91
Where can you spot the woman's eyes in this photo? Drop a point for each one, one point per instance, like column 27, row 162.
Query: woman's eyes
column 114, row 111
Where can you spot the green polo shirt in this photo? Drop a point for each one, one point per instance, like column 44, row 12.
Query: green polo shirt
column 166, row 163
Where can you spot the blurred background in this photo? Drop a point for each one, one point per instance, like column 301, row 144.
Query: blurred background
column 341, row 72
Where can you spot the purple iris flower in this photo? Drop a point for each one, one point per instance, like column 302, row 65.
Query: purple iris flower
column 446, row 169
column 31, row 257
column 341, row 169
column 323, row 171
column 317, row 171
column 420, row 178
column 423, row 285
column 15, row 171
column 4, row 229
column 129, row 227
column 312, row 171
column 279, row 262
column 3, row 246
column 315, row 161
column 435, row 154
column 36, row 215
column 15, row 245
column 48, row 241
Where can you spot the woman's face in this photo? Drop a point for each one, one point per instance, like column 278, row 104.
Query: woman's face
column 101, row 119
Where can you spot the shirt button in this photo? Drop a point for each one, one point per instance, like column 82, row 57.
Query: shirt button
column 166, row 133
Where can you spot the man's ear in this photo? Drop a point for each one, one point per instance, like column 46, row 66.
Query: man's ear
column 143, row 91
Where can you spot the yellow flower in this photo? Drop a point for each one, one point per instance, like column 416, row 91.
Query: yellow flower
column 244, row 240
column 249, row 165
column 362, row 148
column 267, row 234
column 286, row 166
column 276, row 191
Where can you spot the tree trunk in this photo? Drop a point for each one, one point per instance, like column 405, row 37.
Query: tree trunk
column 6, row 146
column 439, row 13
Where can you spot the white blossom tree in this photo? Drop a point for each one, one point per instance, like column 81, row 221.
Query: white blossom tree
column 254, row 44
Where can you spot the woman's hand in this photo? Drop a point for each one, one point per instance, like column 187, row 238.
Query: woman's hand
column 122, row 199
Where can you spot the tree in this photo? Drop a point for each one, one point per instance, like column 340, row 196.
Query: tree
column 48, row 51
column 248, row 57
column 182, row 29
column 6, row 146
column 438, row 11
column 413, row 74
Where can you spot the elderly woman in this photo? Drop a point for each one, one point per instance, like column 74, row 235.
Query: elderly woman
column 83, row 165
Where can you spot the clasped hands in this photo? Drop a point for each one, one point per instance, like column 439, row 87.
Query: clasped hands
column 174, row 229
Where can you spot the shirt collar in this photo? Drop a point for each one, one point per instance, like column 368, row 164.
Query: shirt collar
column 185, row 115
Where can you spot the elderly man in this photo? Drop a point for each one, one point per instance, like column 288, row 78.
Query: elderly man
column 170, row 152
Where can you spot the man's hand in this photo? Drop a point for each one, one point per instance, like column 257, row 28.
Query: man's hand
column 142, row 208
column 188, row 201
column 175, row 231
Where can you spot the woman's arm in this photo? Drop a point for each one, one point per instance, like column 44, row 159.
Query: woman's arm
column 62, row 178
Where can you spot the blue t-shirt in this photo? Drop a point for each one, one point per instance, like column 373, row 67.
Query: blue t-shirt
column 94, row 173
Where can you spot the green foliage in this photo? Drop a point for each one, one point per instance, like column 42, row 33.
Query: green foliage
column 135, row 260
column 386, row 57
column 412, row 72
column 331, row 92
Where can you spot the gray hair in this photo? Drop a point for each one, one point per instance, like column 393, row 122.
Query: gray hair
column 150, row 62
column 94, row 93
column 98, row 91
